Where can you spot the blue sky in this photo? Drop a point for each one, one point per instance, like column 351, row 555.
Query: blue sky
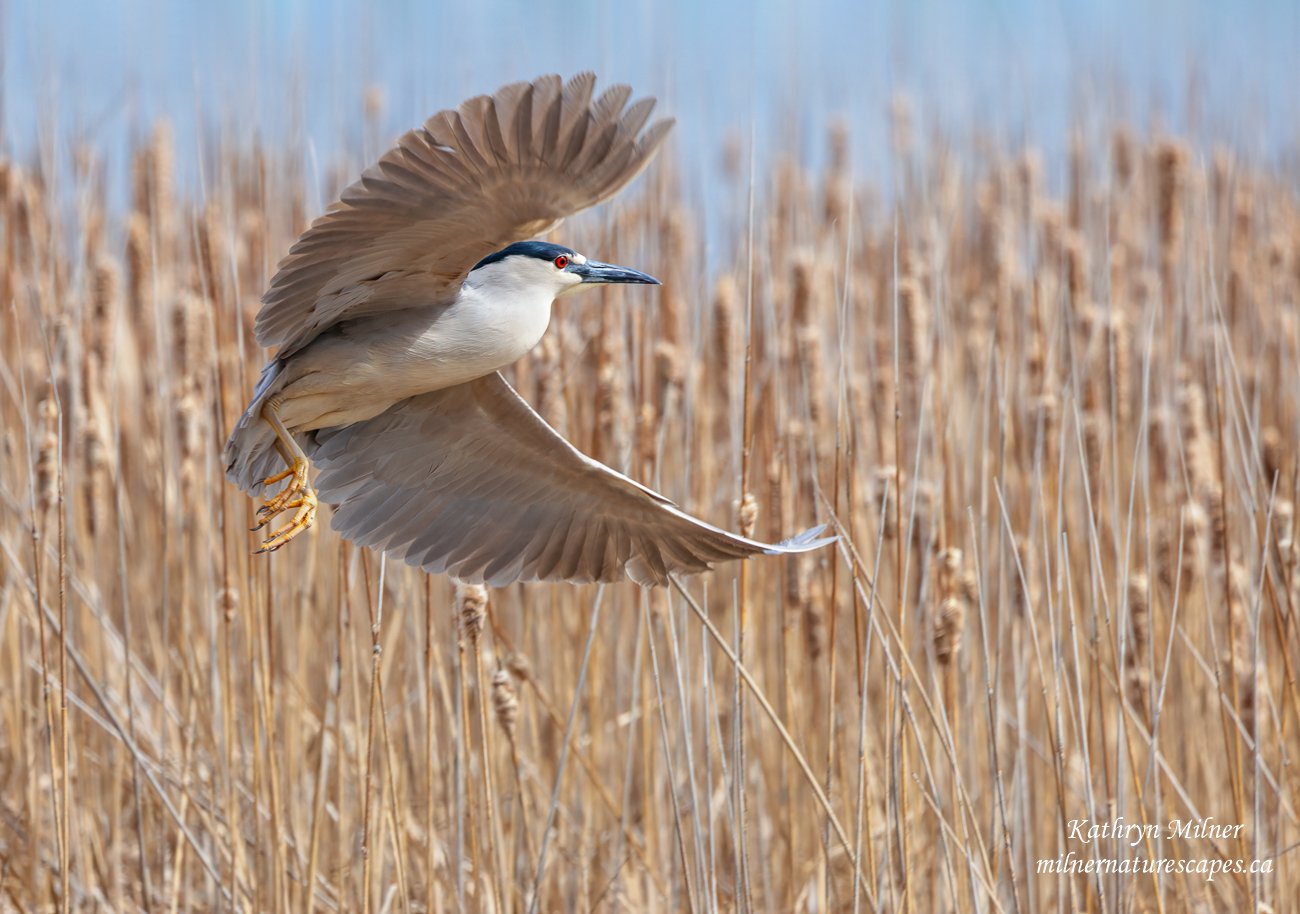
column 1010, row 68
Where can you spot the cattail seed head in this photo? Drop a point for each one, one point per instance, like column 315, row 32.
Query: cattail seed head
column 520, row 666
column 968, row 586
column 471, row 606
column 47, row 457
column 676, row 243
column 1044, row 411
column 1079, row 161
column 1076, row 268
column 837, row 192
column 94, row 444
column 1195, row 421
column 748, row 513
column 252, row 247
column 647, row 424
column 802, row 305
column 669, row 377
column 1219, row 544
column 812, row 603
column 138, row 260
column 1250, row 678
column 915, row 342
column 47, row 490
column 1273, row 452
column 950, row 563
column 1238, row 654
column 505, row 702
column 1123, row 155
column 949, row 623
column 162, row 163
column 1137, row 675
column 1235, row 589
column 808, row 349
column 185, row 331
column 613, row 406
column 189, row 421
column 228, row 603
column 105, row 286
column 1171, row 181
column 1029, row 174
column 924, row 515
column 726, row 298
column 1195, row 522
column 1139, row 608
column 1094, row 431
column 554, row 404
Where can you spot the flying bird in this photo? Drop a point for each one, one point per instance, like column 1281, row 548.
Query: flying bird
column 393, row 314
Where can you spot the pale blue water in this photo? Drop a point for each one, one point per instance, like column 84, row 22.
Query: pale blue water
column 1010, row 68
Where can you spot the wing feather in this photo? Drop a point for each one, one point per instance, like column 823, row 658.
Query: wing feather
column 470, row 480
column 554, row 551
column 510, row 553
column 495, row 170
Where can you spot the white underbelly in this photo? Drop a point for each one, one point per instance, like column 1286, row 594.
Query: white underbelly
column 358, row 374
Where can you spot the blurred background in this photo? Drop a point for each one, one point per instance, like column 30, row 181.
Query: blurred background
column 1014, row 71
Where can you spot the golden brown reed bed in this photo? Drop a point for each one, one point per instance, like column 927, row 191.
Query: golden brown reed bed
column 1082, row 606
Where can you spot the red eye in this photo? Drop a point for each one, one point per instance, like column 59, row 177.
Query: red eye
column 561, row 262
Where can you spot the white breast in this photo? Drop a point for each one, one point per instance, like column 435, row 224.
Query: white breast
column 374, row 362
column 487, row 328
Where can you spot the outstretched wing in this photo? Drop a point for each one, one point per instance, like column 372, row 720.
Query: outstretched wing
column 470, row 481
column 501, row 168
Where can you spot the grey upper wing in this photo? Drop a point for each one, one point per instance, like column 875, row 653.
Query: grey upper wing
column 499, row 169
column 471, row 481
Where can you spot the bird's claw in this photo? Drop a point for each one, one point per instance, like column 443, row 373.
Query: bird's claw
column 297, row 476
column 302, row 519
column 299, row 495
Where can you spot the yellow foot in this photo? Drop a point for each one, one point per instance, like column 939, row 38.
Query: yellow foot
column 302, row 519
column 281, row 501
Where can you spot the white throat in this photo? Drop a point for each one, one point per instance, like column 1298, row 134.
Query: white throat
column 503, row 310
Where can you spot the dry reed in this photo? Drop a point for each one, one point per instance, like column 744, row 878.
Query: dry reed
column 1088, row 530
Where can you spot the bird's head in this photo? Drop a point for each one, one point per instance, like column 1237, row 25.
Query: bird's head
column 552, row 268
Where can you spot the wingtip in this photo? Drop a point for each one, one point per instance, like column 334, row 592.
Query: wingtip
column 806, row 541
column 656, row 133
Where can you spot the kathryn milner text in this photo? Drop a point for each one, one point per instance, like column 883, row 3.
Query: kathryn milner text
column 1087, row 831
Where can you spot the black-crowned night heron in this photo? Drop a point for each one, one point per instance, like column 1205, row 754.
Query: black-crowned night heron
column 393, row 313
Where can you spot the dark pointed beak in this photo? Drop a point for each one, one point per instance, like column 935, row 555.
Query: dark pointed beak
column 594, row 271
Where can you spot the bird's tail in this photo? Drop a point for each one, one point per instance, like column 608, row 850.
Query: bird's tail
column 250, row 454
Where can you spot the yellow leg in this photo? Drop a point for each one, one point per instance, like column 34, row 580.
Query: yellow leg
column 297, row 494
